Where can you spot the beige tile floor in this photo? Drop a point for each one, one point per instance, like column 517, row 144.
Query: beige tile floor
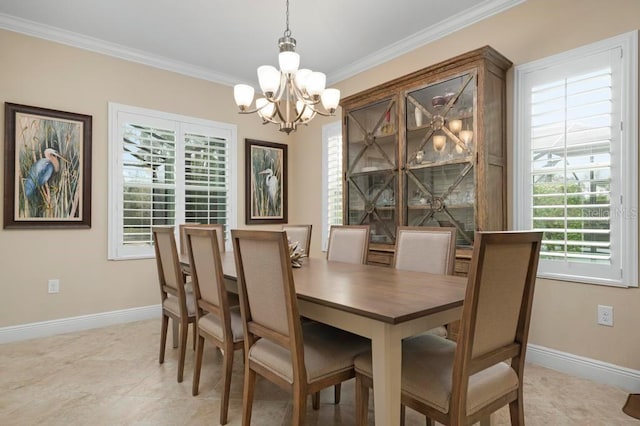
column 111, row 376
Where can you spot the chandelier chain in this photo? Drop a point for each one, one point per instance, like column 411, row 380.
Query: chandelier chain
column 287, row 32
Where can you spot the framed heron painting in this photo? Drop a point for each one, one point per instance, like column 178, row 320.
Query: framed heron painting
column 266, row 182
column 47, row 168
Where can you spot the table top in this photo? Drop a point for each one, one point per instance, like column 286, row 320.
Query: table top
column 385, row 294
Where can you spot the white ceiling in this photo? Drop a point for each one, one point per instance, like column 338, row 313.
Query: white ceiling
column 225, row 41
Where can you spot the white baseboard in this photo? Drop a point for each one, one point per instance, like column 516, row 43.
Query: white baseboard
column 587, row 368
column 85, row 322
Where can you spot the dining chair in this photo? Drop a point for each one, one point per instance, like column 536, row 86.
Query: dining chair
column 177, row 298
column 348, row 243
column 462, row 383
column 426, row 249
column 300, row 234
column 277, row 346
column 216, row 321
column 183, row 240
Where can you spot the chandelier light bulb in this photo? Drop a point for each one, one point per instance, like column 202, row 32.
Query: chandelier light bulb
column 316, row 83
column 289, row 62
column 301, row 79
column 243, row 95
column 269, row 79
column 455, row 125
column 266, row 109
column 330, row 99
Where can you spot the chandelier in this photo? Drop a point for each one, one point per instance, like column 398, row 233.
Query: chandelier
column 291, row 96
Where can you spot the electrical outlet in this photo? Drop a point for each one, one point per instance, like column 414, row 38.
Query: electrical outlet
column 54, row 286
column 605, row 315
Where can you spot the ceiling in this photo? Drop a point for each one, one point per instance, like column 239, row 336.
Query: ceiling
column 225, row 41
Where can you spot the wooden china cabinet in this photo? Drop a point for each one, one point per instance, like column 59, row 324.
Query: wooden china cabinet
column 429, row 149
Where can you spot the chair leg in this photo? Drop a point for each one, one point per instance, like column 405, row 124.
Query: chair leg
column 176, row 332
column 184, row 329
column 247, row 394
column 336, row 393
column 403, row 410
column 362, row 402
column 163, row 337
column 315, row 401
column 516, row 411
column 195, row 335
column 429, row 422
column 227, row 364
column 299, row 406
column 198, row 366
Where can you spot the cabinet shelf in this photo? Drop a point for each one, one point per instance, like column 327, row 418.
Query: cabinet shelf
column 449, row 207
column 426, row 165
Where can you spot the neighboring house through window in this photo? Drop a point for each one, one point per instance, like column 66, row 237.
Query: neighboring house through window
column 166, row 169
column 575, row 164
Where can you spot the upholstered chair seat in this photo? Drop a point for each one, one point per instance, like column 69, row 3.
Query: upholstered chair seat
column 427, row 368
column 211, row 324
column 327, row 350
column 172, row 304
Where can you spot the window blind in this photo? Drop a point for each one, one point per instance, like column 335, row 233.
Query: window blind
column 571, row 142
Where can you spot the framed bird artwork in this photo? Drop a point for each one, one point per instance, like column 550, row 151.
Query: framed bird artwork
column 266, row 182
column 47, row 156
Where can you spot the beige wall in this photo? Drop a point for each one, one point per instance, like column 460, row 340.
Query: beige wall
column 36, row 72
column 39, row 73
column 564, row 314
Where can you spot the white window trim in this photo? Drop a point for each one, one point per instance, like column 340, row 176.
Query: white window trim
column 328, row 130
column 228, row 131
column 628, row 42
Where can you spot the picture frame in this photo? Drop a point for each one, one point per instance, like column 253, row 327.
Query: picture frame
column 265, row 182
column 47, row 168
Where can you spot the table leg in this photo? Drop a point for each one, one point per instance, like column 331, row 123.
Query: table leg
column 176, row 328
column 386, row 346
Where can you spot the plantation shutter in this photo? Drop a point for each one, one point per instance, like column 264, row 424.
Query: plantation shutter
column 332, row 178
column 149, row 177
column 575, row 161
column 165, row 170
column 572, row 134
column 206, row 179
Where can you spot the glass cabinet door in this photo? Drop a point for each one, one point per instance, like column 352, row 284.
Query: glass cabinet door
column 440, row 156
column 371, row 169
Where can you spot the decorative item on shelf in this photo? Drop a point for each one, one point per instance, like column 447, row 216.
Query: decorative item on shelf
column 418, row 114
column 292, row 96
column 419, row 156
column 455, row 125
column 296, row 253
column 388, row 127
column 439, row 142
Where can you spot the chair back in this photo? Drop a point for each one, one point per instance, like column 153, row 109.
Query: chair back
column 207, row 276
column 265, row 283
column 217, row 226
column 169, row 272
column 301, row 234
column 426, row 249
column 497, row 307
column 348, row 243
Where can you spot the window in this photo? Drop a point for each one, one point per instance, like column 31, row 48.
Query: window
column 575, row 164
column 166, row 169
column 331, row 179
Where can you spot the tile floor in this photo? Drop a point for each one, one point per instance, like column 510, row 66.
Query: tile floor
column 111, row 376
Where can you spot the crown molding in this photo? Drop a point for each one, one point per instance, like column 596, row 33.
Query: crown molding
column 426, row 36
column 80, row 41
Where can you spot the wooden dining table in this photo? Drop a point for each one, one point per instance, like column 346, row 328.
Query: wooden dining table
column 383, row 304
